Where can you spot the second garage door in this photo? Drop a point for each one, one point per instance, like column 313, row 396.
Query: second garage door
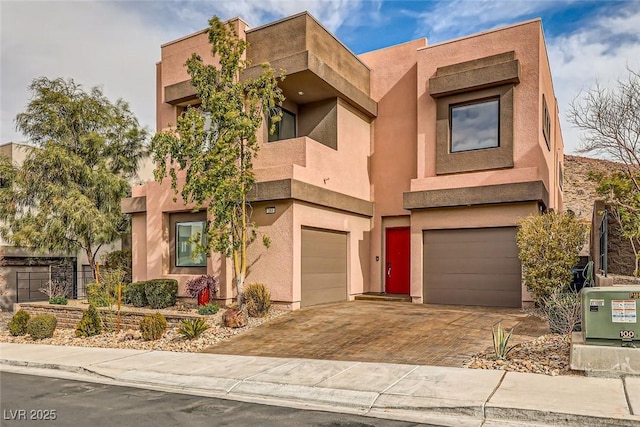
column 478, row 266
column 324, row 267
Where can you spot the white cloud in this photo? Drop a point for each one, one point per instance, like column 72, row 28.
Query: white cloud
column 116, row 44
column 450, row 19
column 96, row 44
column 599, row 52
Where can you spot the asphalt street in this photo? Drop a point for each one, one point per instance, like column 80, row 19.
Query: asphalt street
column 28, row 400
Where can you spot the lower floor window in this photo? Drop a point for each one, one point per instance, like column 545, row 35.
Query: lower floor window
column 188, row 235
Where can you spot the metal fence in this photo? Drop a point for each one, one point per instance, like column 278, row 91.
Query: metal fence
column 604, row 231
column 29, row 283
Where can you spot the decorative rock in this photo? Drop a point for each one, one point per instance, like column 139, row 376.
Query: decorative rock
column 170, row 341
column 127, row 337
column 234, row 318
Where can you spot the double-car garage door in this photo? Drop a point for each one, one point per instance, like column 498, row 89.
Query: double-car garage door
column 324, row 267
column 477, row 266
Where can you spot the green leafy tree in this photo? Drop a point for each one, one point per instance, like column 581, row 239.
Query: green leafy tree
column 66, row 194
column 549, row 246
column 215, row 144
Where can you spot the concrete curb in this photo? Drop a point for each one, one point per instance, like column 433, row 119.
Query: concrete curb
column 424, row 394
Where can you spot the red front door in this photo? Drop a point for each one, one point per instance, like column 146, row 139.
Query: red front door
column 397, row 260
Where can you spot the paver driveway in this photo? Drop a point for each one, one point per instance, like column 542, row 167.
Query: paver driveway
column 372, row 331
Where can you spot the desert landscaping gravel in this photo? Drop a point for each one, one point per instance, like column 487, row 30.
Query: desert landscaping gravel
column 548, row 354
column 131, row 339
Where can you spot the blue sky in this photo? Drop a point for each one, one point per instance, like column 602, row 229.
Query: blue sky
column 115, row 44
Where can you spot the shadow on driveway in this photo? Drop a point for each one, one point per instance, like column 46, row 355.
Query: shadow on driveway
column 392, row 332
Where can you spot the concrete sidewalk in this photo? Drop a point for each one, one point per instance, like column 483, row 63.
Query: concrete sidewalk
column 426, row 394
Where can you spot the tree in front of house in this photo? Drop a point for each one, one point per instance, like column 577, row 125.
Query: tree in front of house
column 215, row 144
column 66, row 194
column 610, row 121
column 549, row 246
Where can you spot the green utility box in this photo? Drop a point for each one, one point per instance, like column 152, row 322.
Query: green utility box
column 611, row 313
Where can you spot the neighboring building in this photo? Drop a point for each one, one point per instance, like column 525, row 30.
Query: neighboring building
column 403, row 170
column 25, row 271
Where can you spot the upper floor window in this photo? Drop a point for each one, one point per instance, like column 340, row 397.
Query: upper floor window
column 475, row 125
column 187, row 234
column 285, row 128
column 546, row 123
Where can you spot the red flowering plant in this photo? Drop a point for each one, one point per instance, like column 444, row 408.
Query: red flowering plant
column 200, row 283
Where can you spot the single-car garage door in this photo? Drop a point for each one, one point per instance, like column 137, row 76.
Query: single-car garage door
column 324, row 267
column 473, row 266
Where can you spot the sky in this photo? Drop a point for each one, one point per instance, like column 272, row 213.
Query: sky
column 115, row 44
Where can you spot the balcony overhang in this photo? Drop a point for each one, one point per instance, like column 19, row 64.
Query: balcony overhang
column 133, row 205
column 482, row 195
column 491, row 71
column 307, row 80
column 286, row 189
column 316, row 64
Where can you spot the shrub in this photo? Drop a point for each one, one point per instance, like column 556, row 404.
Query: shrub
column 90, row 324
column 198, row 284
column 192, row 328
column 98, row 295
column 501, row 341
column 152, row 327
column 549, row 246
column 18, row 323
column 58, row 300
column 134, row 294
column 257, row 299
column 161, row 293
column 562, row 310
column 56, row 288
column 211, row 308
column 42, row 326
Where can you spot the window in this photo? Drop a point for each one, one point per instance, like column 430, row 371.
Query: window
column 285, row 128
column 560, row 177
column 546, row 123
column 475, row 126
column 187, row 234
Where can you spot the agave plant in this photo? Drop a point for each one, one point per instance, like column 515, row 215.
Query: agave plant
column 501, row 341
column 192, row 328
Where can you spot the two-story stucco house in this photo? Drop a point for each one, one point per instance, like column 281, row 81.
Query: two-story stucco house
column 402, row 171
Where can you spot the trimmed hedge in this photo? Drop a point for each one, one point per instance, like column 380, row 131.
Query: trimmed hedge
column 161, row 293
column 18, row 324
column 42, row 326
column 158, row 293
column 134, row 294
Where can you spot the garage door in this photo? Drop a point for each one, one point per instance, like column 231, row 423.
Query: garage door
column 324, row 267
column 478, row 266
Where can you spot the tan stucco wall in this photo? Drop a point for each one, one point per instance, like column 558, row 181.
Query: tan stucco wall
column 273, row 266
column 530, row 164
column 502, row 215
column 554, row 156
column 393, row 157
column 344, row 170
column 300, row 33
